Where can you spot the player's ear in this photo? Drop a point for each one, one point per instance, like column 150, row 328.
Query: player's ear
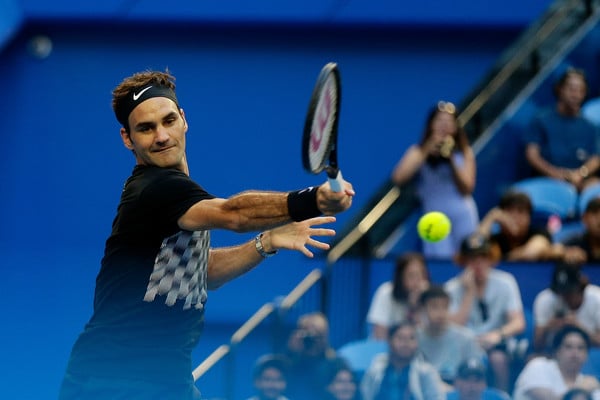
column 126, row 139
column 185, row 124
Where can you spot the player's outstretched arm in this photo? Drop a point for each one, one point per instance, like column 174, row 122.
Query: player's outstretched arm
column 228, row 263
column 259, row 210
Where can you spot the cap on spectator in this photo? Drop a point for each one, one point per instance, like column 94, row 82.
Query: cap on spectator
column 567, row 278
column 475, row 245
column 471, row 368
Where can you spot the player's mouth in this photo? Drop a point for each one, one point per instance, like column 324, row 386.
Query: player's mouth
column 163, row 149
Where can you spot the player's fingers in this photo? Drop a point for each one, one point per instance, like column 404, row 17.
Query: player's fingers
column 304, row 250
column 320, row 220
column 322, row 232
column 317, row 244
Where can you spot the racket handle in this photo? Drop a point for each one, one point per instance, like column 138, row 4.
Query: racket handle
column 335, row 180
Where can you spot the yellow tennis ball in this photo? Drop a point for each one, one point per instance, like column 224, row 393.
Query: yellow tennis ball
column 434, row 226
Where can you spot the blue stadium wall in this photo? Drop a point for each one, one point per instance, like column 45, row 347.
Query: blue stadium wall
column 245, row 74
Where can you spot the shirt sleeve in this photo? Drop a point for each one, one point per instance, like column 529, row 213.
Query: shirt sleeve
column 173, row 194
column 543, row 309
column 514, row 299
column 380, row 305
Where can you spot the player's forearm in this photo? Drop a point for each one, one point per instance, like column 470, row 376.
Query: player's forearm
column 228, row 263
column 257, row 210
column 247, row 211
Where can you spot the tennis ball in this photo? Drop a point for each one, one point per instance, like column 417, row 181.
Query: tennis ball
column 434, row 226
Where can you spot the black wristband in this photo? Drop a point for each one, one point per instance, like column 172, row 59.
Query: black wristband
column 302, row 204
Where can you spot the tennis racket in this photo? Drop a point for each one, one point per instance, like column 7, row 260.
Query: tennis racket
column 319, row 140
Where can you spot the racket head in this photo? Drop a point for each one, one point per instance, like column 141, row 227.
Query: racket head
column 319, row 139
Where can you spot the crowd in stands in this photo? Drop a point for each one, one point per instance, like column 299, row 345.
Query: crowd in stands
column 463, row 339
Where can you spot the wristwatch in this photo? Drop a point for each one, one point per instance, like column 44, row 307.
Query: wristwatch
column 260, row 249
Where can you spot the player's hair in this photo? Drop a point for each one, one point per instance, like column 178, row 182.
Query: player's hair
column 121, row 92
column 399, row 292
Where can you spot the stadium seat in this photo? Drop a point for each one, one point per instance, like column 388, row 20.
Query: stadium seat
column 359, row 353
column 549, row 197
column 592, row 365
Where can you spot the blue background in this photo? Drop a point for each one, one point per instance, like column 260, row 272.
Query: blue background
column 245, row 72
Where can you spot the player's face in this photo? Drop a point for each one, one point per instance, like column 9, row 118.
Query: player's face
column 157, row 134
column 271, row 383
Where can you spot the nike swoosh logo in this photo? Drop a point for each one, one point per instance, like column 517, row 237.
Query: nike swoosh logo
column 141, row 92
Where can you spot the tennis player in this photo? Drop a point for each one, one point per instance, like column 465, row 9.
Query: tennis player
column 158, row 265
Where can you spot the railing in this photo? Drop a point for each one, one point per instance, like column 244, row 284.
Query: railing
column 227, row 351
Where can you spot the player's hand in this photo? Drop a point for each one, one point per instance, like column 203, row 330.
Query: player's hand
column 330, row 202
column 298, row 235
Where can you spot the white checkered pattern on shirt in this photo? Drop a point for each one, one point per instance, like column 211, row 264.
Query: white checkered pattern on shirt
column 180, row 269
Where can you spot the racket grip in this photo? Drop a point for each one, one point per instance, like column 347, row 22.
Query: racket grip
column 336, row 181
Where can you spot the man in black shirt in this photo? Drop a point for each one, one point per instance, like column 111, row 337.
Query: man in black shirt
column 158, row 264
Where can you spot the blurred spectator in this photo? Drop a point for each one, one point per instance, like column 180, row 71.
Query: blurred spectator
column 443, row 167
column 517, row 238
column 577, row 394
column 310, row 356
column 561, row 143
column 570, row 300
column 340, row 382
column 270, row 377
column 488, row 302
column 471, row 384
column 398, row 300
column 550, row 378
column 584, row 247
column 442, row 343
column 400, row 373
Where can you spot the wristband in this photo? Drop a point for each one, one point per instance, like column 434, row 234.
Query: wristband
column 302, row 204
column 260, row 248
